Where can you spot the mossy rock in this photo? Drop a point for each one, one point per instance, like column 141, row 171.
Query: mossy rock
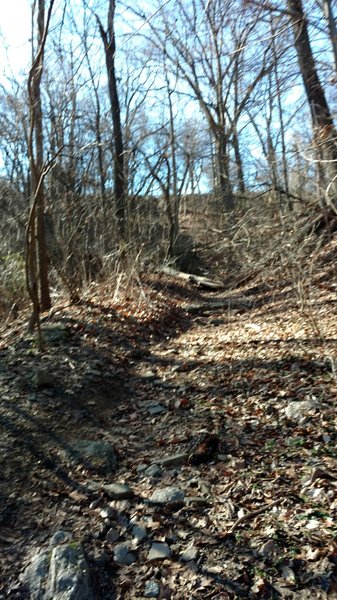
column 98, row 456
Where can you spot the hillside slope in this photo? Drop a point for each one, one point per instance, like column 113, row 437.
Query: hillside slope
column 153, row 375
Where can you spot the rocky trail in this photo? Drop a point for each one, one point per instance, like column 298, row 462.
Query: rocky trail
column 173, row 444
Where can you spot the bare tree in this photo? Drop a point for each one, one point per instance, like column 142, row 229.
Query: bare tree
column 109, row 42
column 37, row 259
column 208, row 51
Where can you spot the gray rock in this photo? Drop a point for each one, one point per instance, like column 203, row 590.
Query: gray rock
column 36, row 574
column 174, row 460
column 157, row 409
column 190, row 553
column 299, row 411
column 112, row 535
column 153, row 471
column 94, row 455
column 139, row 532
column 118, row 491
column 59, row 574
column 141, row 468
column 270, row 550
column 167, row 495
column 196, row 500
column 68, row 577
column 151, row 589
column 122, row 554
column 107, row 512
column 59, row 537
column 93, row 486
column 159, row 551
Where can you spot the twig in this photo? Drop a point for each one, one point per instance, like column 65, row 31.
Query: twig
column 251, row 515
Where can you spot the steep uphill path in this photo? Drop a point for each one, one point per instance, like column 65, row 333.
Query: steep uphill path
column 220, row 410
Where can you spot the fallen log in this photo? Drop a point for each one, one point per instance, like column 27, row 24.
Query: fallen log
column 226, row 303
column 198, row 280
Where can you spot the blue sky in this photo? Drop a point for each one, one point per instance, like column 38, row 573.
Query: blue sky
column 15, row 50
column 15, row 27
column 15, row 32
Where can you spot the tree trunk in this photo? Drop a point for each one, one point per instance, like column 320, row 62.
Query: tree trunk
column 37, row 257
column 109, row 41
column 223, row 180
column 282, row 128
column 323, row 126
column 239, row 163
column 327, row 8
column 173, row 205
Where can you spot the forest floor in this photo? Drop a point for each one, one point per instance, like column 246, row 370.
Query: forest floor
column 257, row 518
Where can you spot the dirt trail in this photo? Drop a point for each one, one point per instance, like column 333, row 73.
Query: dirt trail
column 148, row 377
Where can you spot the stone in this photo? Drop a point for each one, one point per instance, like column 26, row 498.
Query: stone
column 122, row 554
column 60, row 537
column 68, row 574
column 36, row 574
column 151, row 589
column 270, row 550
column 93, row 486
column 156, row 409
column 289, row 575
column 196, row 500
column 141, row 467
column 98, row 456
column 299, row 411
column 190, row 553
column 61, row 573
column 118, row 491
column 175, row 460
column 139, row 532
column 153, row 471
column 112, row 535
column 107, row 512
column 159, row 551
column 167, row 495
